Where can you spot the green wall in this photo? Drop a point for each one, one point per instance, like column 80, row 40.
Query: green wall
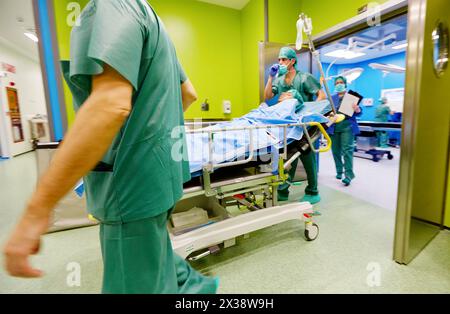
column 327, row 13
column 252, row 28
column 218, row 46
column 283, row 16
column 63, row 32
column 208, row 43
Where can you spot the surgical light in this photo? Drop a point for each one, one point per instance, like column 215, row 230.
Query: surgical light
column 353, row 74
column 388, row 68
column 345, row 54
column 32, row 36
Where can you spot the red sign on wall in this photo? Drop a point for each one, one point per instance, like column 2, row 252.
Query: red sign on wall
column 8, row 68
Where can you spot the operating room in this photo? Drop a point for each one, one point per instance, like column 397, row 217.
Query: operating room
column 336, row 185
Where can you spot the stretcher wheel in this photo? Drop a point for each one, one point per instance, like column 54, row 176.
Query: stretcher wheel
column 311, row 232
column 390, row 157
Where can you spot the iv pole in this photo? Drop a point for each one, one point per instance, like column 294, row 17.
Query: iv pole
column 304, row 24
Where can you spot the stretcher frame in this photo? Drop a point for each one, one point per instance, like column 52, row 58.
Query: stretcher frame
column 209, row 239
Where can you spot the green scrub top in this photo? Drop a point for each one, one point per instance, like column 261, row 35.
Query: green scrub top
column 306, row 84
column 137, row 178
column 382, row 113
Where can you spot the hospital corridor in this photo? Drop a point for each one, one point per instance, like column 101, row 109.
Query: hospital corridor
column 239, row 147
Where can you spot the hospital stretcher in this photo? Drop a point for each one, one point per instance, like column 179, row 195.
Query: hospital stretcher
column 366, row 141
column 240, row 198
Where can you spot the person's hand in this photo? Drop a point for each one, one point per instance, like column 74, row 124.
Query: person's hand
column 24, row 242
column 274, row 70
column 356, row 108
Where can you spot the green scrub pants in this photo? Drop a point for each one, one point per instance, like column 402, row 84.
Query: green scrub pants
column 383, row 139
column 138, row 259
column 310, row 163
column 343, row 146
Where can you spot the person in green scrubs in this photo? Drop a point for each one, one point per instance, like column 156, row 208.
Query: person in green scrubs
column 287, row 82
column 343, row 135
column 129, row 91
column 382, row 115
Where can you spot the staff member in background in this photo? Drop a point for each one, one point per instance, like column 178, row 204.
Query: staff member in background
column 125, row 78
column 291, row 84
column 343, row 135
column 382, row 115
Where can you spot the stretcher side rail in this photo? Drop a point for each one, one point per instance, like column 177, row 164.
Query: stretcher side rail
column 211, row 190
column 211, row 166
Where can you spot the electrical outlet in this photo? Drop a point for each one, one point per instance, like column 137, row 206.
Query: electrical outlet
column 227, row 107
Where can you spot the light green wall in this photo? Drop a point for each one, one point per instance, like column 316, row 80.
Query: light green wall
column 208, row 43
column 63, row 32
column 283, row 16
column 218, row 47
column 252, row 28
column 327, row 13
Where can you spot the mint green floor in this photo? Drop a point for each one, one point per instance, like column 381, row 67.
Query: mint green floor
column 353, row 235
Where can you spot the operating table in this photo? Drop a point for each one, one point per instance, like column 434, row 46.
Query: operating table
column 366, row 142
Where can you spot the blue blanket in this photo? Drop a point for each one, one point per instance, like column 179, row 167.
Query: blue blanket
column 235, row 145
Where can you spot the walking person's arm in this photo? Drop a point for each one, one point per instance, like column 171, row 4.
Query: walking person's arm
column 96, row 124
column 188, row 93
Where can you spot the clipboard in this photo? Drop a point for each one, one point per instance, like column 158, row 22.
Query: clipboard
column 349, row 99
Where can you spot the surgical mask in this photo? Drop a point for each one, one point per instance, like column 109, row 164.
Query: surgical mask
column 283, row 70
column 340, row 88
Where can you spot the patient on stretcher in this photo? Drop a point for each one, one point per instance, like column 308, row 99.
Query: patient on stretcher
column 229, row 144
column 235, row 145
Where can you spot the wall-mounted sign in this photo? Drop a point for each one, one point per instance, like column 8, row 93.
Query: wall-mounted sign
column 8, row 68
column 367, row 102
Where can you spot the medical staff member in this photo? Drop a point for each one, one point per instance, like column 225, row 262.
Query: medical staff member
column 128, row 88
column 382, row 115
column 293, row 84
column 343, row 135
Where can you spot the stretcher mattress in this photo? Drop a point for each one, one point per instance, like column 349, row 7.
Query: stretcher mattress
column 235, row 145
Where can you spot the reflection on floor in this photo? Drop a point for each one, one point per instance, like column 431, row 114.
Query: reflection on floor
column 356, row 238
column 376, row 182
